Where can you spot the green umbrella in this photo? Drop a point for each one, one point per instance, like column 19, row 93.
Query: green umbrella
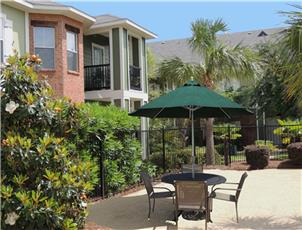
column 191, row 101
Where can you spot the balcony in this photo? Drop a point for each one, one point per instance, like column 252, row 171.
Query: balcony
column 135, row 77
column 97, row 77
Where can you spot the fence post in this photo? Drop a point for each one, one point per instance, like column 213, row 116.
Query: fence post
column 229, row 144
column 265, row 133
column 103, row 173
column 164, row 149
column 101, row 162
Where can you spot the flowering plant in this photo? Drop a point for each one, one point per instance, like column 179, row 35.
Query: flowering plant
column 44, row 179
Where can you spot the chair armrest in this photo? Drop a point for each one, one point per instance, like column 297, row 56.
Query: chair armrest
column 230, row 183
column 163, row 188
column 228, row 189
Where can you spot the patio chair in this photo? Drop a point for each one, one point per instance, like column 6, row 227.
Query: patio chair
column 152, row 194
column 191, row 196
column 187, row 168
column 230, row 197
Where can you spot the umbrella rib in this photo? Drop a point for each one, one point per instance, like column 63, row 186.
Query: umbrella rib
column 225, row 113
column 159, row 112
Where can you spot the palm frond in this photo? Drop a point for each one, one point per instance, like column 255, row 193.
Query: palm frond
column 291, row 48
column 176, row 71
column 229, row 63
column 204, row 33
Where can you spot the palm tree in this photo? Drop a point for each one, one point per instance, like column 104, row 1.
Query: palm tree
column 219, row 62
column 292, row 55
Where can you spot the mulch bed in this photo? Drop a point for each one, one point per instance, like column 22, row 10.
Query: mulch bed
column 93, row 226
column 273, row 164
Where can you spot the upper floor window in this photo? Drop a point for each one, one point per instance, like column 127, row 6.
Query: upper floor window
column 72, row 51
column 6, row 37
column 44, row 45
column 1, row 39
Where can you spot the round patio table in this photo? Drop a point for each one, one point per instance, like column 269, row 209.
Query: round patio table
column 211, row 179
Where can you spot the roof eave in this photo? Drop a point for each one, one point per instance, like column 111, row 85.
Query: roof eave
column 122, row 22
column 49, row 9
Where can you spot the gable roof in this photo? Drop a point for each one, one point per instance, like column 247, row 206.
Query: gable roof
column 106, row 21
column 181, row 48
column 50, row 7
column 92, row 24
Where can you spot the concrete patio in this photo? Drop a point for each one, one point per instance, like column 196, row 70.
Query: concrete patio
column 271, row 199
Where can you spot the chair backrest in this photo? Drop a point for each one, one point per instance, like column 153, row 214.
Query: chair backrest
column 191, row 195
column 187, row 168
column 147, row 182
column 239, row 188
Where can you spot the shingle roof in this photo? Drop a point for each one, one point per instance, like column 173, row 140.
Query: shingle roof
column 106, row 18
column 44, row 2
column 180, row 47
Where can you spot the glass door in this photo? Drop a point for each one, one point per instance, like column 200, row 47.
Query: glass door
column 98, row 54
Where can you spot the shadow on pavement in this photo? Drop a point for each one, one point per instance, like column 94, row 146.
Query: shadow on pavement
column 130, row 213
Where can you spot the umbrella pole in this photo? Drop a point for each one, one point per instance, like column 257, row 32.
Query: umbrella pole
column 193, row 142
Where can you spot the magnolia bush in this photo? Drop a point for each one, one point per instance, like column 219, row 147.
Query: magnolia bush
column 44, row 177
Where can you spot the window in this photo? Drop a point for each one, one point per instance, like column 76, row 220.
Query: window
column 1, row 39
column 44, row 44
column 6, row 38
column 72, row 51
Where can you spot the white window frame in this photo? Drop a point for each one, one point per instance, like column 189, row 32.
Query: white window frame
column 94, row 45
column 72, row 51
column 45, row 46
column 3, row 17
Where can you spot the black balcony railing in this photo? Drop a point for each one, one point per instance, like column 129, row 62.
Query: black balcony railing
column 135, row 77
column 97, row 77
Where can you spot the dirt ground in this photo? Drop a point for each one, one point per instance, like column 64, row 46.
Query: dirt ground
column 240, row 166
column 273, row 164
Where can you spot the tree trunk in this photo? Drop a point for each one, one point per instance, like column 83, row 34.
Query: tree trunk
column 210, row 151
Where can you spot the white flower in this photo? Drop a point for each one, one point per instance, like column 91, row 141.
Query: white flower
column 11, row 107
column 84, row 204
column 11, row 218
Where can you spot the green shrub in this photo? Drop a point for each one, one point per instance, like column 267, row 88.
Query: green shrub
column 149, row 167
column 290, row 131
column 45, row 178
column 269, row 144
column 121, row 148
column 220, row 149
column 295, row 151
column 175, row 158
column 257, row 157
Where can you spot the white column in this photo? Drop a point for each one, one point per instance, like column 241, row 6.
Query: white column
column 144, row 136
column 111, row 59
column 122, row 63
column 26, row 23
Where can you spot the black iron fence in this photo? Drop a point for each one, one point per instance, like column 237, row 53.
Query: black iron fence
column 168, row 148
column 97, row 77
column 135, row 77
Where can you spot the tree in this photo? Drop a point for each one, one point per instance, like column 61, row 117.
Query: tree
column 268, row 94
column 44, row 174
column 292, row 55
column 218, row 62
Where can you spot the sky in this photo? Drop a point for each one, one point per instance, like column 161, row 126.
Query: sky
column 172, row 20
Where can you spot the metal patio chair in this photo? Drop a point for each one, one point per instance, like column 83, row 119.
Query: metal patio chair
column 191, row 196
column 187, row 168
column 230, row 197
column 152, row 194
